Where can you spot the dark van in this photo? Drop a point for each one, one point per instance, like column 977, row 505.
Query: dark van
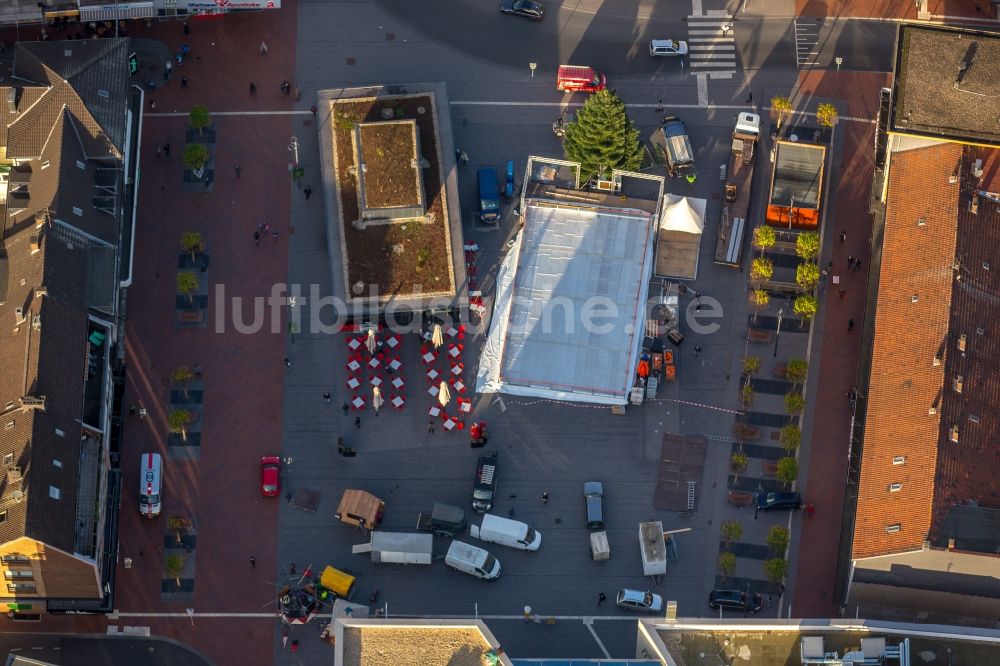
column 489, row 196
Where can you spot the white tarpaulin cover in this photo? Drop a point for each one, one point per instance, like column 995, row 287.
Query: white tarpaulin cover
column 568, row 266
column 685, row 214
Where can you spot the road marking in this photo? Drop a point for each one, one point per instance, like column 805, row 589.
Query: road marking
column 806, row 42
column 702, row 90
column 327, row 616
column 590, row 625
column 177, row 114
column 696, row 6
column 709, row 45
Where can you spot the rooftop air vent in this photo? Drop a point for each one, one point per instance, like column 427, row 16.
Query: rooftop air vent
column 12, row 100
column 36, row 322
column 977, row 170
column 19, row 316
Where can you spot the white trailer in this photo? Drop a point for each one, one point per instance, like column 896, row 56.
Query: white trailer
column 653, row 548
column 398, row 548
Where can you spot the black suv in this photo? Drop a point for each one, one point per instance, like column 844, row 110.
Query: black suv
column 769, row 501
column 735, row 600
column 486, row 484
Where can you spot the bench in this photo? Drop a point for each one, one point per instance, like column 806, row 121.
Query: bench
column 740, row 498
column 769, row 468
column 759, row 335
column 191, row 316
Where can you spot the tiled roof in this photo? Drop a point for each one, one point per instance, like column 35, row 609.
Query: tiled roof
column 60, row 243
column 945, row 83
column 97, row 73
column 937, row 329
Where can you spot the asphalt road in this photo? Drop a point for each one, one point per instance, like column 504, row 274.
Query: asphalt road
column 614, row 39
column 99, row 651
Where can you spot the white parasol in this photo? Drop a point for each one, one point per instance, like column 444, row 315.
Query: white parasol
column 437, row 338
column 370, row 342
column 444, row 395
column 377, row 398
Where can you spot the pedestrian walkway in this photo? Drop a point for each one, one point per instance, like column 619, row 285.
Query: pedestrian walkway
column 712, row 45
column 806, row 42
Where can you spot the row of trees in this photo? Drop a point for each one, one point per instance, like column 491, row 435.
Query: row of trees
column 196, row 154
column 781, row 110
column 775, row 568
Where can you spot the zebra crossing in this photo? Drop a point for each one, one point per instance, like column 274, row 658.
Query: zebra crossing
column 711, row 45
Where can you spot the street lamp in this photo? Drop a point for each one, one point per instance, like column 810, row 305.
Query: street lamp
column 781, row 311
column 293, row 146
column 532, row 66
column 838, row 61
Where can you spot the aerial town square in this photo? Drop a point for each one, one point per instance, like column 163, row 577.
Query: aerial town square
column 520, row 332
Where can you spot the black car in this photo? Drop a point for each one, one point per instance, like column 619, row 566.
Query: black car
column 526, row 8
column 740, row 600
column 768, row 501
column 486, row 483
column 593, row 495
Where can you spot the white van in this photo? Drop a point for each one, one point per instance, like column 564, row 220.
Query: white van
column 472, row 560
column 150, row 478
column 507, row 532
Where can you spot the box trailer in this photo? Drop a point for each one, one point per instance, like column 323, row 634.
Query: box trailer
column 398, row 548
column 736, row 191
column 653, row 548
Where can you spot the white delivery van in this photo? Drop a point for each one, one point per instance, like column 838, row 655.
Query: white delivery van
column 472, row 560
column 507, row 532
column 150, row 479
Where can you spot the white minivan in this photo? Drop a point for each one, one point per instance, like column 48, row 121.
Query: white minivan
column 507, row 532
column 472, row 560
column 150, row 479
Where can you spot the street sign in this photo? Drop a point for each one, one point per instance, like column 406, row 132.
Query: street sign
column 532, row 66
column 839, row 61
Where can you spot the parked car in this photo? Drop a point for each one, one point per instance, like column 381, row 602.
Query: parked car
column 270, row 476
column 571, row 78
column 769, row 501
column 667, row 47
column 680, row 156
column 485, row 487
column 593, row 495
column 740, row 600
column 638, row 600
column 526, row 8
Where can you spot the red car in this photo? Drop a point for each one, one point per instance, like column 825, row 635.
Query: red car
column 270, row 473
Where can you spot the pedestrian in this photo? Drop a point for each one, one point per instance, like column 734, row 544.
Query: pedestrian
column 659, row 106
column 285, row 87
column 810, row 510
column 327, row 398
column 697, row 350
column 857, row 264
column 511, row 513
column 313, row 109
column 430, row 426
column 781, row 591
column 843, row 236
column 253, row 561
column 166, row 149
column 187, row 28
column 601, row 598
column 545, row 498
column 307, row 191
column 253, row 88
column 750, row 98
column 842, row 291
column 850, row 324
column 850, row 261
column 291, row 568
column 159, row 150
column 256, row 238
column 288, row 362
column 357, row 421
column 274, row 234
column 464, row 157
column 204, row 266
column 152, row 105
column 340, row 444
column 197, row 371
column 168, row 69
column 345, row 408
column 298, row 93
column 236, row 168
column 829, row 266
column 263, row 48
column 184, row 82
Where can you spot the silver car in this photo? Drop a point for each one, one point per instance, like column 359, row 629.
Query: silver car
column 667, row 47
column 638, row 600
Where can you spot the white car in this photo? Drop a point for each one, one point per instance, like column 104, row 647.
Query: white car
column 667, row 47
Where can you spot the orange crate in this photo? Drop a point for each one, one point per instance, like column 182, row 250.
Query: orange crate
column 668, row 357
column 670, row 373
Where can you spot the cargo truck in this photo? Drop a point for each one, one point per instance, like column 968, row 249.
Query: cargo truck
column 736, row 191
column 398, row 548
column 444, row 520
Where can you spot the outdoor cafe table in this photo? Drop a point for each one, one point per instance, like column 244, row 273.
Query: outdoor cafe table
column 465, row 406
column 353, row 383
column 354, row 343
column 393, row 342
column 376, row 381
column 459, row 385
column 455, row 351
column 432, row 374
column 358, row 402
column 397, row 402
column 434, row 411
column 397, row 382
column 395, row 364
column 449, row 424
column 433, row 391
column 428, row 357
column 353, row 366
column 374, row 363
column 456, row 369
